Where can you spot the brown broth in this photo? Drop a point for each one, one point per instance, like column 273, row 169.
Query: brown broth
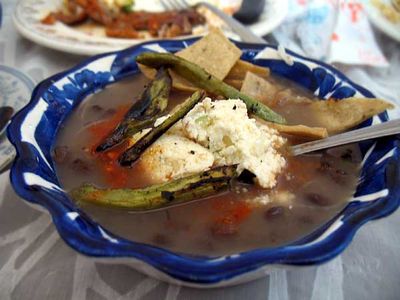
column 228, row 223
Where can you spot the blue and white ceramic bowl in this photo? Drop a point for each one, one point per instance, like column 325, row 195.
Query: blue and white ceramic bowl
column 33, row 132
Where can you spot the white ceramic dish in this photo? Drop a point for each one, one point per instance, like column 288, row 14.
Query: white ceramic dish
column 15, row 91
column 33, row 131
column 28, row 14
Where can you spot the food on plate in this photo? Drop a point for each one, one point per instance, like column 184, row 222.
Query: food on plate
column 195, row 186
column 255, row 86
column 212, row 143
column 206, row 81
column 120, row 20
column 223, row 127
column 302, row 131
column 130, row 155
column 391, row 11
column 144, row 112
column 241, row 68
column 162, row 162
column 325, row 117
column 214, row 53
column 341, row 115
column 227, row 67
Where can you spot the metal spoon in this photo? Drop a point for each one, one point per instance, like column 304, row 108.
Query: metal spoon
column 6, row 113
column 375, row 131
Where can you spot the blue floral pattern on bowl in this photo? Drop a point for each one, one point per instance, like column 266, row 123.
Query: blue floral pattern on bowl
column 34, row 129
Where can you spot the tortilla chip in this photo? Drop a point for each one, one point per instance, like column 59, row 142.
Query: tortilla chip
column 302, row 131
column 214, row 53
column 288, row 97
column 259, row 88
column 340, row 115
column 236, row 83
column 147, row 71
column 241, row 67
column 178, row 82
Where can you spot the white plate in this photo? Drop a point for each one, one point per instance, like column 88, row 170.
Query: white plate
column 28, row 14
column 15, row 91
column 380, row 21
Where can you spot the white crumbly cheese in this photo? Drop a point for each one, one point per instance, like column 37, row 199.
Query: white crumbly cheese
column 173, row 156
column 260, row 200
column 176, row 129
column 284, row 198
column 225, row 129
column 281, row 198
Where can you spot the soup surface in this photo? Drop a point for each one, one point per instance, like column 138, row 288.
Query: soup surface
column 311, row 190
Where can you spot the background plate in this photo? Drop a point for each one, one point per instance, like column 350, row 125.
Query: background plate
column 15, row 91
column 28, row 14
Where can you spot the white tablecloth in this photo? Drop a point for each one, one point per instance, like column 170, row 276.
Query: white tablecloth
column 36, row 264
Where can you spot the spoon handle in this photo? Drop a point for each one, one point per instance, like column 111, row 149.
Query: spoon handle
column 370, row 132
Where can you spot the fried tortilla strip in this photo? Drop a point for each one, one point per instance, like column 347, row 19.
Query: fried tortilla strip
column 302, row 131
column 340, row 115
column 234, row 78
column 241, row 67
column 236, row 83
column 214, row 53
column 208, row 82
column 178, row 82
column 259, row 88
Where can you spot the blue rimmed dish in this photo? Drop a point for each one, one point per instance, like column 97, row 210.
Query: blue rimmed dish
column 34, row 129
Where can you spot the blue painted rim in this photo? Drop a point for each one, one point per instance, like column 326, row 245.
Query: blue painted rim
column 83, row 235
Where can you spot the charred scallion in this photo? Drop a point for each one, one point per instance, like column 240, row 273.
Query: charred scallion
column 132, row 154
column 181, row 190
column 201, row 78
column 144, row 112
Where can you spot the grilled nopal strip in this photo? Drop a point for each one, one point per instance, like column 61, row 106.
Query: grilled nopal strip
column 132, row 154
column 185, row 189
column 144, row 112
column 208, row 82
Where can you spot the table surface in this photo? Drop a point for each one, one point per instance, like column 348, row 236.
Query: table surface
column 36, row 264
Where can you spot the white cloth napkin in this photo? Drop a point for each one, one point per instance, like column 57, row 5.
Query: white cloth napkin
column 331, row 30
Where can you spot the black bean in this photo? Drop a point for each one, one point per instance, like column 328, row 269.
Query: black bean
column 80, row 165
column 327, row 166
column 274, row 212
column 60, row 154
column 96, row 108
column 318, row 199
column 347, row 155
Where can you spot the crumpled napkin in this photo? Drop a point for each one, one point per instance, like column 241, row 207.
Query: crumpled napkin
column 331, row 30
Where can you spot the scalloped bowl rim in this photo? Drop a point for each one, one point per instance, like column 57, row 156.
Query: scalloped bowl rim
column 187, row 269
